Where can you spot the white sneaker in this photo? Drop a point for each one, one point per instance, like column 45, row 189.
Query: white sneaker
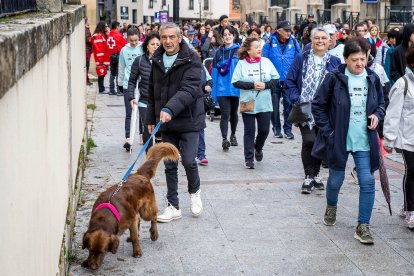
column 410, row 219
column 403, row 213
column 196, row 204
column 170, row 214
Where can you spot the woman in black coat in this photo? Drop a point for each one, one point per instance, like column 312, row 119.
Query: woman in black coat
column 140, row 71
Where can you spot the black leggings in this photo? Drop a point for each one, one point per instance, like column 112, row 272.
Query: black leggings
column 228, row 109
column 408, row 181
column 311, row 165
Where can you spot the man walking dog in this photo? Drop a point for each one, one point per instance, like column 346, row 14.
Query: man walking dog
column 175, row 97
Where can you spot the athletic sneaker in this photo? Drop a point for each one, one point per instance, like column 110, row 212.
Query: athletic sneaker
column 317, row 183
column 290, row 136
column 355, row 176
column 196, row 204
column 258, row 155
column 225, row 144
column 410, row 219
column 202, row 161
column 307, row 186
column 403, row 213
column 277, row 134
column 249, row 165
column 170, row 213
column 363, row 234
column 330, row 216
column 233, row 141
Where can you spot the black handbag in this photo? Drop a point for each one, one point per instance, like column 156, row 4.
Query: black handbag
column 300, row 113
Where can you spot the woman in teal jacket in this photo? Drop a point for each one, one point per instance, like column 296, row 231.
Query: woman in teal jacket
column 224, row 92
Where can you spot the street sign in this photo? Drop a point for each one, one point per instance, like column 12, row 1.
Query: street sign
column 164, row 17
column 156, row 17
column 370, row 1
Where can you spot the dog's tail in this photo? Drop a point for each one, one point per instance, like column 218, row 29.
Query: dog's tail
column 155, row 154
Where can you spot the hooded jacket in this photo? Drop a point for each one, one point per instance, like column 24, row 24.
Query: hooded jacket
column 126, row 58
column 398, row 57
column 222, row 84
column 331, row 110
column 178, row 90
column 399, row 120
column 281, row 57
column 115, row 42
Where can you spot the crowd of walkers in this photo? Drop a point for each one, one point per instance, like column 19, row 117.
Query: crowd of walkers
column 354, row 89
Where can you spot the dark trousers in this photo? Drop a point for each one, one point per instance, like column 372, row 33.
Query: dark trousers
column 263, row 125
column 101, row 83
column 188, row 144
column 228, row 108
column 311, row 165
column 408, row 181
column 275, row 119
column 128, row 112
column 145, row 134
column 201, row 152
column 88, row 63
column 113, row 78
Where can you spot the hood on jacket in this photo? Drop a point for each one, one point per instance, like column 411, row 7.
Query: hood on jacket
column 407, row 31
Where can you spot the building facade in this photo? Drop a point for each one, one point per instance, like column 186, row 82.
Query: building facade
column 383, row 13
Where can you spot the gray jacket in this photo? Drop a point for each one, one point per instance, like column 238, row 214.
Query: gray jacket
column 399, row 119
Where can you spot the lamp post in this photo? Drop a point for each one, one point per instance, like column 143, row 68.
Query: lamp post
column 199, row 5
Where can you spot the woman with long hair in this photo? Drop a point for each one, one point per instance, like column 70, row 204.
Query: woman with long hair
column 255, row 76
column 225, row 60
column 100, row 53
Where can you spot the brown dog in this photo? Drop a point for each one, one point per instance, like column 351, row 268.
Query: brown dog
column 135, row 200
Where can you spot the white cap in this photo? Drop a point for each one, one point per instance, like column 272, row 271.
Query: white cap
column 330, row 28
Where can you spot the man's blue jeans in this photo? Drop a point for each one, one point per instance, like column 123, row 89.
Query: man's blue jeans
column 275, row 118
column 366, row 185
column 201, row 152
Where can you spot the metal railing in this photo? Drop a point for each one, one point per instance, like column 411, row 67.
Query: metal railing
column 350, row 18
column 281, row 16
column 324, row 16
column 300, row 18
column 263, row 19
column 10, row 7
column 401, row 15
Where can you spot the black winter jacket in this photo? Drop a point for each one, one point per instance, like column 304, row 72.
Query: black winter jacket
column 398, row 63
column 141, row 68
column 331, row 111
column 178, row 89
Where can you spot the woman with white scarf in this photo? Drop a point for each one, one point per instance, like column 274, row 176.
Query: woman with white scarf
column 304, row 77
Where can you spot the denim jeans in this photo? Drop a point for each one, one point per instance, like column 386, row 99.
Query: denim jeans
column 187, row 142
column 249, row 141
column 201, row 153
column 366, row 185
column 275, row 118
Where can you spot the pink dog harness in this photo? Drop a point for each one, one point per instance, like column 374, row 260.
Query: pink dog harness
column 111, row 208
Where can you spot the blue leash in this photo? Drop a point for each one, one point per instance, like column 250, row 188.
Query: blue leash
column 126, row 175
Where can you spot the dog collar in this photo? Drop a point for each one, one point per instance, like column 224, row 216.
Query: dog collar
column 111, row 207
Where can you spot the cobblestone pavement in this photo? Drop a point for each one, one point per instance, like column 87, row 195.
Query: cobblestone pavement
column 255, row 222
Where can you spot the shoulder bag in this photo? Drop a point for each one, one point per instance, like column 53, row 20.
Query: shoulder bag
column 248, row 106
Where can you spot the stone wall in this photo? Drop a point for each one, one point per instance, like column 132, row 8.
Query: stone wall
column 42, row 126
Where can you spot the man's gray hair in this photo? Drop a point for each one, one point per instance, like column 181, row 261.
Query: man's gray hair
column 170, row 25
column 318, row 29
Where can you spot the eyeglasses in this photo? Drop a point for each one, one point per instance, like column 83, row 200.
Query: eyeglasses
column 320, row 38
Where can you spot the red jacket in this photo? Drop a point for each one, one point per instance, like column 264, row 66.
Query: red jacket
column 115, row 42
column 99, row 49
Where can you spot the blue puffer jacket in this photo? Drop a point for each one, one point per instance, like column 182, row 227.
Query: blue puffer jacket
column 222, row 84
column 331, row 108
column 281, row 59
column 293, row 81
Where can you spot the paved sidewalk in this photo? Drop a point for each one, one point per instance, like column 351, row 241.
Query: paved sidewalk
column 255, row 222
